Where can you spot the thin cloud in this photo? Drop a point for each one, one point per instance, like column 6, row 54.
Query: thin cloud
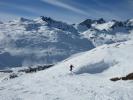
column 130, row 3
column 66, row 6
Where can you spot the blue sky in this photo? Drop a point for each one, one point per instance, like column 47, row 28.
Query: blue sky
column 71, row 11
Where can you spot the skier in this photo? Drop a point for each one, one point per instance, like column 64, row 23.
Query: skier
column 71, row 67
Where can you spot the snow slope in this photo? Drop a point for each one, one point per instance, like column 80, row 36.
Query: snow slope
column 106, row 32
column 104, row 26
column 89, row 80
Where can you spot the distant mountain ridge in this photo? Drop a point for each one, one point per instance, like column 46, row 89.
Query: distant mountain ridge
column 24, row 42
column 105, row 32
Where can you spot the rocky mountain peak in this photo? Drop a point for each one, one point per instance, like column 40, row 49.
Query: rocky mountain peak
column 89, row 22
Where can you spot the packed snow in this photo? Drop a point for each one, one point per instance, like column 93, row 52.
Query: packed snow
column 90, row 79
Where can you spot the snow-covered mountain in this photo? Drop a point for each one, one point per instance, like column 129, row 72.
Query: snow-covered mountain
column 90, row 79
column 42, row 40
column 105, row 32
column 25, row 42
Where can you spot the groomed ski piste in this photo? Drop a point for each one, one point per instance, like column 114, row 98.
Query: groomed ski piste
column 90, row 79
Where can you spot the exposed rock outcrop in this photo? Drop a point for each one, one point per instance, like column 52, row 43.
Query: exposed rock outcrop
column 127, row 77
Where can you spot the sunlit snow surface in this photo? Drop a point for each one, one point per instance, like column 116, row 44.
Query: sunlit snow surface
column 30, row 42
column 88, row 81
